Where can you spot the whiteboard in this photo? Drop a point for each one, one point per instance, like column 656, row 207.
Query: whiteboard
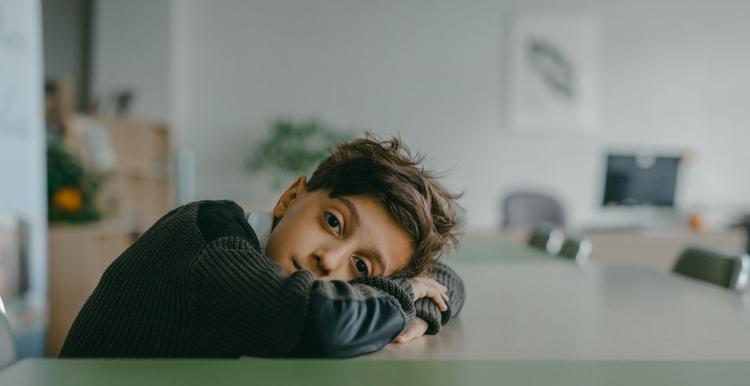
column 22, row 137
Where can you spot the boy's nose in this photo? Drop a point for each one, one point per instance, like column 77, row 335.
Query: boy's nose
column 328, row 261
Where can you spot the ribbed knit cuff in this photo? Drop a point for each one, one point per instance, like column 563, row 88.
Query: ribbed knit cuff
column 428, row 311
column 400, row 289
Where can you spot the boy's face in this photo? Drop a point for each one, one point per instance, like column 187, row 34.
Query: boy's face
column 336, row 238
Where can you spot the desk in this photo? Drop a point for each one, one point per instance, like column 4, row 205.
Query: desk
column 389, row 373
column 545, row 307
column 549, row 323
column 555, row 310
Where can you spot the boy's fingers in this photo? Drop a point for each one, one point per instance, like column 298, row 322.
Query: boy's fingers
column 427, row 287
column 439, row 286
column 438, row 299
column 416, row 329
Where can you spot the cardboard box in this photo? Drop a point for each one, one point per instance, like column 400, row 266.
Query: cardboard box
column 133, row 159
column 134, row 197
column 141, row 147
column 122, row 145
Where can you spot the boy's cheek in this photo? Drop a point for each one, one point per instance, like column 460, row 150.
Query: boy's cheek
column 273, row 255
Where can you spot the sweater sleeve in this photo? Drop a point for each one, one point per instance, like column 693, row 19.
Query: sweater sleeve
column 352, row 319
column 426, row 308
column 243, row 306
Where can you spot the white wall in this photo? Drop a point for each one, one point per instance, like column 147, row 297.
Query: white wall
column 673, row 75
column 132, row 49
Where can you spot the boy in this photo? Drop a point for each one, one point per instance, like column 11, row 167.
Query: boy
column 336, row 270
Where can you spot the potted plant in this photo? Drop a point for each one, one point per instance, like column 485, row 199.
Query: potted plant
column 294, row 149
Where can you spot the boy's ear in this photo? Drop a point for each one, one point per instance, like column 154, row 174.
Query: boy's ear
column 288, row 198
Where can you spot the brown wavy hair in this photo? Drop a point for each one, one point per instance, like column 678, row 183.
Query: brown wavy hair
column 386, row 170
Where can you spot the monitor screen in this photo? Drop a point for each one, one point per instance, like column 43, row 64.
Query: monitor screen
column 640, row 180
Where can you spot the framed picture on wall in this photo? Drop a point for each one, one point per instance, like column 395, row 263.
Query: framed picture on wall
column 554, row 72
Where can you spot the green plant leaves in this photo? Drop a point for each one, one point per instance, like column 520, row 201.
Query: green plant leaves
column 294, row 149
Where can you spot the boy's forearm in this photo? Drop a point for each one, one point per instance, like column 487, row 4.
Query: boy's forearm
column 299, row 316
column 352, row 319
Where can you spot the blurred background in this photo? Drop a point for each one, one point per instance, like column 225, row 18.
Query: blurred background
column 623, row 122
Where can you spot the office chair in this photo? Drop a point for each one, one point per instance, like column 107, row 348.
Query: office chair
column 729, row 271
column 745, row 223
column 547, row 238
column 7, row 346
column 578, row 250
column 531, row 209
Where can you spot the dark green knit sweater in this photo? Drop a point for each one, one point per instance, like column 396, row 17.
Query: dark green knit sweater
column 196, row 285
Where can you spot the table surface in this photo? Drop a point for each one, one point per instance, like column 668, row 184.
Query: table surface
column 529, row 318
column 523, row 304
column 33, row 372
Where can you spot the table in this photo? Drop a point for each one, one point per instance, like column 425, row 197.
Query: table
column 546, row 307
column 333, row 373
column 548, row 322
column 558, row 311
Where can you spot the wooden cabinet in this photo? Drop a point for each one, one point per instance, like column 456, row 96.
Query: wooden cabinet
column 78, row 255
column 657, row 249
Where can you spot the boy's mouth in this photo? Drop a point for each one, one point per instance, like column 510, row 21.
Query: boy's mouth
column 294, row 263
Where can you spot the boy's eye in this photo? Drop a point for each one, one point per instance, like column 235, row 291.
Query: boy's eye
column 333, row 222
column 361, row 266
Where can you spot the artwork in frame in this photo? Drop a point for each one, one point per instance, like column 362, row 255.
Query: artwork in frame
column 554, row 70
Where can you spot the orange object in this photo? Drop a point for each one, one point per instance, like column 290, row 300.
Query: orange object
column 696, row 223
column 68, row 199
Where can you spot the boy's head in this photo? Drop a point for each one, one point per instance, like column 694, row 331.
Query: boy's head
column 368, row 209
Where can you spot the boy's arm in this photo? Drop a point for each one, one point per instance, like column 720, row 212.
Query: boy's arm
column 241, row 304
column 351, row 319
column 428, row 310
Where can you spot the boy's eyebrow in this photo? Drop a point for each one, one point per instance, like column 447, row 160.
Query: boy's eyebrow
column 352, row 209
column 375, row 252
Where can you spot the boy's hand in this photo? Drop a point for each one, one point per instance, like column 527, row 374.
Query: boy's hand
column 416, row 329
column 427, row 287
column 423, row 287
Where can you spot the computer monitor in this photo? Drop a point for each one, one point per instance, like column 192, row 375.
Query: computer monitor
column 640, row 180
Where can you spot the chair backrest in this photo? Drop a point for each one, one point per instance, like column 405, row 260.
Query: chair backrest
column 745, row 223
column 578, row 250
column 530, row 209
column 546, row 238
column 7, row 346
column 730, row 271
